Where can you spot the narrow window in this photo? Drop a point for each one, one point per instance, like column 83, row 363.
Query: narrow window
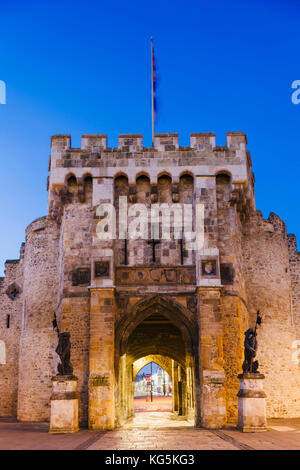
column 7, row 321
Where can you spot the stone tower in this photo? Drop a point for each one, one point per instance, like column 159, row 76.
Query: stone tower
column 127, row 302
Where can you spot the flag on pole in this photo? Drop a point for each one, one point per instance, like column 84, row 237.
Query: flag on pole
column 153, row 89
column 154, row 83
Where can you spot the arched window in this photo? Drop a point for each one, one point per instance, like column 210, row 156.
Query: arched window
column 88, row 188
column 186, row 188
column 72, row 184
column 143, row 189
column 223, row 182
column 164, row 186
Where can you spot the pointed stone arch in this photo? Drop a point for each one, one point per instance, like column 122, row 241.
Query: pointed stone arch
column 175, row 312
column 159, row 360
column 159, row 325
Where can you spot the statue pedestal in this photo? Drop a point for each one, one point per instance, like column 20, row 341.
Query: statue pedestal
column 64, row 405
column 251, row 403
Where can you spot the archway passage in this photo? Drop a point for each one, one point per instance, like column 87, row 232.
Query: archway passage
column 152, row 385
column 158, row 332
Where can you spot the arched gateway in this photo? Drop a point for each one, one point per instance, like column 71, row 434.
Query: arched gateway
column 158, row 327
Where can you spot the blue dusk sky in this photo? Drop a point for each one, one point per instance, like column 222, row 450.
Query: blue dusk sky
column 84, row 67
column 147, row 369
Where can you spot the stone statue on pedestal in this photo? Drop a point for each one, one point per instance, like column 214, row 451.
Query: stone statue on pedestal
column 64, row 351
column 250, row 345
column 251, row 397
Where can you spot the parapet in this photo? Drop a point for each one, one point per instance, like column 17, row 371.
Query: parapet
column 130, row 142
column 22, row 250
column 203, row 140
column 273, row 224
column 278, row 224
column 234, row 140
column 60, row 142
column 94, row 142
column 292, row 241
column 10, row 267
column 36, row 225
column 166, row 142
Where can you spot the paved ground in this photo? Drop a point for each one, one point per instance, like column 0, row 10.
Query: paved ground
column 157, row 404
column 154, row 431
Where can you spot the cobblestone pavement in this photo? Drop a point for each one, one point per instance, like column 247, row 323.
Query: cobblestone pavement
column 153, row 431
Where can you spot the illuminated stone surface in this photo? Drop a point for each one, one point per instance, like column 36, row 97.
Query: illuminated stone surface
column 187, row 308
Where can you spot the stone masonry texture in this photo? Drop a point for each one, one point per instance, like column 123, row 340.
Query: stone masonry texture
column 129, row 302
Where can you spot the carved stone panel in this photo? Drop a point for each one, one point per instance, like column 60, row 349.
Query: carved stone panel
column 122, row 300
column 192, row 303
column 102, row 269
column 209, row 268
column 155, row 275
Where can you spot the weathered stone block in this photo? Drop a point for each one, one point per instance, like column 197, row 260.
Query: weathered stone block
column 64, row 405
column 251, row 403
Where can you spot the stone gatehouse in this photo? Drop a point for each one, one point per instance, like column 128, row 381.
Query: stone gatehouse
column 129, row 302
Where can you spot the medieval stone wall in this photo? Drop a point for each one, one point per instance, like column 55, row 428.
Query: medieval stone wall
column 294, row 258
column 232, row 302
column 74, row 312
column 268, row 283
column 11, row 298
column 38, row 360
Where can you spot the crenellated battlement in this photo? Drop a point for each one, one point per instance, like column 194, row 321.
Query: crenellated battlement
column 166, row 142
column 272, row 224
column 292, row 241
column 202, row 158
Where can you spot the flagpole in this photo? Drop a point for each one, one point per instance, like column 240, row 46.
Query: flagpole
column 152, row 93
